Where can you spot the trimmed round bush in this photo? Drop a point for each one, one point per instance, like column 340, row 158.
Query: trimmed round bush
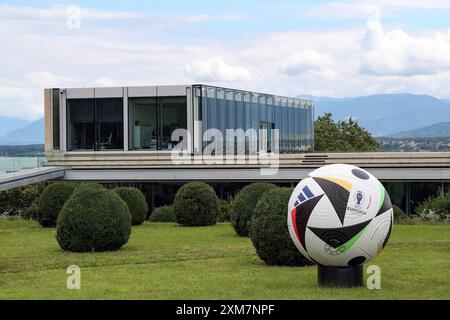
column 52, row 200
column 399, row 214
column 226, row 211
column 163, row 214
column 196, row 204
column 136, row 203
column 89, row 185
column 269, row 231
column 31, row 213
column 93, row 219
column 244, row 203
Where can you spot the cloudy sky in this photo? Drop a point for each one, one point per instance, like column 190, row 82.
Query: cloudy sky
column 289, row 47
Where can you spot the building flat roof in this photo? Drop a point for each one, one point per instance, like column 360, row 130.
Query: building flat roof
column 178, row 86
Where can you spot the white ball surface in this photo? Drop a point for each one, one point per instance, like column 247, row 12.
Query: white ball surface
column 340, row 215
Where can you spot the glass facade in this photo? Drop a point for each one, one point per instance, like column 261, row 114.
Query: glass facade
column 407, row 195
column 152, row 120
column 173, row 116
column 109, row 124
column 80, row 124
column 95, row 124
column 143, row 123
column 235, row 109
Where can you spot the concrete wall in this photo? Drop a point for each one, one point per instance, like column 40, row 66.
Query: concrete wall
column 142, row 159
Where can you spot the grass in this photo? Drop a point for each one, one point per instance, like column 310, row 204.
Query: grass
column 164, row 261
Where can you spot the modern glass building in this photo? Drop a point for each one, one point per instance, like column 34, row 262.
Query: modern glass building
column 144, row 118
column 224, row 108
column 122, row 136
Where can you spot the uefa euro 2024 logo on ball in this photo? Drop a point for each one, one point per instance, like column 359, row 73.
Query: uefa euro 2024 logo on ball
column 340, row 215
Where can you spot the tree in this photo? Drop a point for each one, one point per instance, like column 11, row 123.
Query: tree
column 342, row 136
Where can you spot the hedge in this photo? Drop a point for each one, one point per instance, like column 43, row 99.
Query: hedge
column 269, row 231
column 31, row 213
column 244, row 203
column 225, row 212
column 93, row 219
column 163, row 214
column 52, row 200
column 136, row 203
column 196, row 204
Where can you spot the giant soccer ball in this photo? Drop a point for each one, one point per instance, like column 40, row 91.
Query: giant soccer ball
column 340, row 216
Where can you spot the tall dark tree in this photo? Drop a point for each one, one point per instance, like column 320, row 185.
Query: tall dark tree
column 342, row 136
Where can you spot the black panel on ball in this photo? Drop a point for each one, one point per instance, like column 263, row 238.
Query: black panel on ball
column 386, row 204
column 360, row 174
column 337, row 195
column 356, row 261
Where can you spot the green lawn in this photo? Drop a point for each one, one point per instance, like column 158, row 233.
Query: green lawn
column 164, row 261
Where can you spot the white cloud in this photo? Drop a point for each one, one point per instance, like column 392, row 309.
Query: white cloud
column 46, row 79
column 217, row 70
column 308, row 61
column 396, row 53
column 39, row 51
column 59, row 12
column 417, row 4
column 361, row 9
column 345, row 10
column 21, row 101
column 105, row 82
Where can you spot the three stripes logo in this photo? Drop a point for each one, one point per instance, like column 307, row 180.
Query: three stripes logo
column 304, row 195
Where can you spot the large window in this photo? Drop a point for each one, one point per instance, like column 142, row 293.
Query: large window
column 153, row 120
column 143, row 123
column 109, row 123
column 81, row 124
column 95, row 124
column 409, row 194
column 173, row 116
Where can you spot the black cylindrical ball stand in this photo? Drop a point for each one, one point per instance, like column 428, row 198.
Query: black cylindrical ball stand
column 340, row 276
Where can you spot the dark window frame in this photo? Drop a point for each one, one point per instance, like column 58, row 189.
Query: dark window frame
column 56, row 116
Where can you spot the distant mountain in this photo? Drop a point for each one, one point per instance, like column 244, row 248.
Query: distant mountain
column 386, row 114
column 441, row 130
column 392, row 115
column 32, row 150
column 322, row 99
column 32, row 133
column 8, row 124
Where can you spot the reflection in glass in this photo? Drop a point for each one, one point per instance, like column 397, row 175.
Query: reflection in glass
column 173, row 116
column 143, row 124
column 109, row 123
column 233, row 109
column 80, row 124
